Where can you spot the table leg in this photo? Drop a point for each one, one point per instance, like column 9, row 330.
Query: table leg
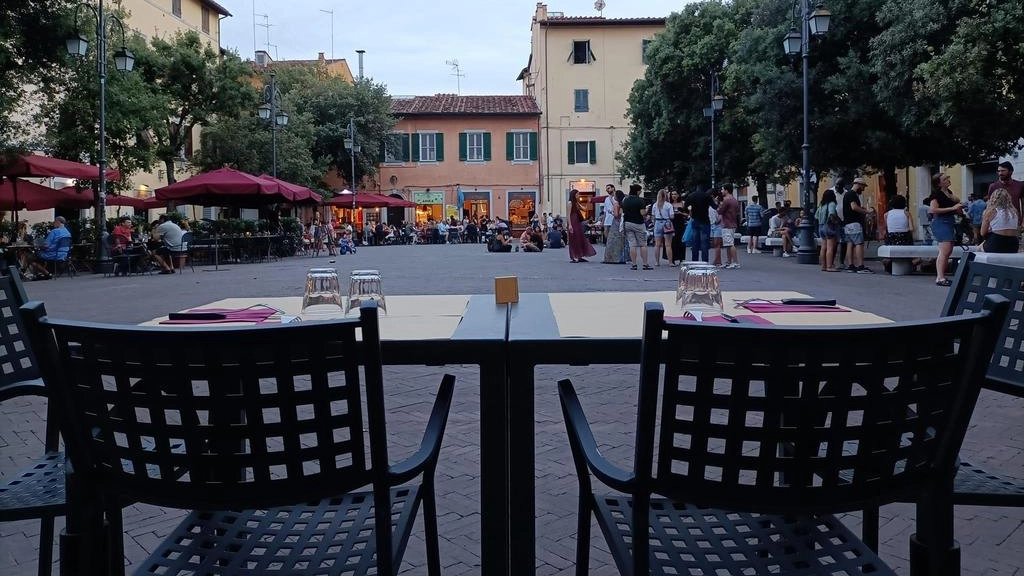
column 82, row 542
column 494, row 467
column 522, row 462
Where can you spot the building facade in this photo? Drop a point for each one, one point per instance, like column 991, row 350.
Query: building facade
column 463, row 156
column 581, row 71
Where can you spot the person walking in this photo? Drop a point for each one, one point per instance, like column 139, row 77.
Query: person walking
column 944, row 207
column 579, row 246
column 633, row 212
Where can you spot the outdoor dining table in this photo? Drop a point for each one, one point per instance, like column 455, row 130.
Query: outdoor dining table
column 508, row 342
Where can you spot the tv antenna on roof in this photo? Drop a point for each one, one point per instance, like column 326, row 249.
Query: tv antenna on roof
column 457, row 73
column 599, row 6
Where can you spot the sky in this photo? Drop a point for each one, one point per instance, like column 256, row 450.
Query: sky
column 408, row 42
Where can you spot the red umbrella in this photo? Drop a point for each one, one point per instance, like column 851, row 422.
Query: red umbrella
column 32, row 165
column 74, row 197
column 344, row 200
column 28, row 196
column 223, row 187
column 299, row 194
column 398, row 202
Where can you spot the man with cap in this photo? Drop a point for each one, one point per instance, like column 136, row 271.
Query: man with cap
column 1014, row 187
column 853, row 227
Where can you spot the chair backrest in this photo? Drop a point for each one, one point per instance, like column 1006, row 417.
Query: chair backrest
column 975, row 280
column 802, row 419
column 17, row 362
column 63, row 247
column 186, row 241
column 209, row 418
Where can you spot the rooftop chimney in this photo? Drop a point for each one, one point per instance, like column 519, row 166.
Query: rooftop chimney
column 360, row 52
column 320, row 58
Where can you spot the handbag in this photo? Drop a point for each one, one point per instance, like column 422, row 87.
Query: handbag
column 689, row 233
column 668, row 228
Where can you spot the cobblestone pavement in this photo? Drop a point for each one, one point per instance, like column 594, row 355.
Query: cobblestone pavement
column 992, row 538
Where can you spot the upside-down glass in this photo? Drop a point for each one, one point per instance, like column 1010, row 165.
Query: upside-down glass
column 682, row 277
column 323, row 293
column 701, row 291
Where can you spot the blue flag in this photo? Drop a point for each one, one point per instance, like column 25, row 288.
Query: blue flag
column 462, row 199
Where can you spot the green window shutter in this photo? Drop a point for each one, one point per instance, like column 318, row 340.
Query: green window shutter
column 533, row 146
column 415, row 147
column 405, row 148
column 487, row 146
column 593, row 152
column 463, row 145
column 439, row 143
column 510, row 146
column 572, row 152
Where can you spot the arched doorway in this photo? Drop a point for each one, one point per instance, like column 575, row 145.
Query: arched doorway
column 397, row 214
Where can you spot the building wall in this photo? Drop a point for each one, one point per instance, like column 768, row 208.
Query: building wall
column 154, row 18
column 496, row 179
column 552, row 78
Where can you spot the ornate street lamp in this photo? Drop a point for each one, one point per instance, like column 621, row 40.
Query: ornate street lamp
column 712, row 112
column 270, row 109
column 354, row 148
column 799, row 43
column 124, row 61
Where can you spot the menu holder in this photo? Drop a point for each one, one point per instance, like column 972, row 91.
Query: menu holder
column 506, row 290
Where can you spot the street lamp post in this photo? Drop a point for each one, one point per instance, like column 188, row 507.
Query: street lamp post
column 270, row 111
column 77, row 45
column 353, row 148
column 814, row 23
column 712, row 112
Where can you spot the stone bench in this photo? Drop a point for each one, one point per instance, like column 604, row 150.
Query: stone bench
column 902, row 256
column 776, row 245
column 1012, row 260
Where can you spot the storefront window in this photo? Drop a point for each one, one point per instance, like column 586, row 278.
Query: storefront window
column 428, row 205
column 521, row 206
column 476, row 204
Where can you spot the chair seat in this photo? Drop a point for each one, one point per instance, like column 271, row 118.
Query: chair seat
column 34, row 491
column 976, row 487
column 686, row 539
column 331, row 537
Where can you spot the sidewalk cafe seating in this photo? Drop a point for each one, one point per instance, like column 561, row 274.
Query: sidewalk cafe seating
column 758, row 443
column 38, row 490
column 63, row 259
column 259, row 431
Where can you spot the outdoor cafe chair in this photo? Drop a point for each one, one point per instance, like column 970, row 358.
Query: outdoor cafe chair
column 63, row 258
column 258, row 430
column 37, row 491
column 765, row 432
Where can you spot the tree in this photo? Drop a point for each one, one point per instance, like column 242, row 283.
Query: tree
column 193, row 84
column 32, row 53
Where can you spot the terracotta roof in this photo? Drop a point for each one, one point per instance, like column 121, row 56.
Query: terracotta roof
column 450, row 104
column 601, row 21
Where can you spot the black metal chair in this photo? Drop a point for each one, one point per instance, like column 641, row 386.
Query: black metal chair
column 761, row 439
column 63, row 257
column 265, row 424
column 38, row 490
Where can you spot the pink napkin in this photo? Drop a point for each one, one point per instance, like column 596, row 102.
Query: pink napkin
column 769, row 307
column 743, row 319
column 255, row 315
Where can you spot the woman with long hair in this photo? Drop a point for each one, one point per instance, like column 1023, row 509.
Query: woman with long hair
column 579, row 246
column 613, row 246
column 679, row 223
column 1000, row 223
column 663, row 227
column 943, row 206
column 828, row 230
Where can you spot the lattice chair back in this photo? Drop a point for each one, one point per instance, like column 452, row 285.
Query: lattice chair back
column 795, row 419
column 17, row 362
column 63, row 248
column 974, row 281
column 219, row 418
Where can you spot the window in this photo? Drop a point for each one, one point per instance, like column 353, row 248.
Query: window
column 427, row 147
column 583, row 152
column 643, row 51
column 521, row 146
column 475, row 146
column 396, row 148
column 206, row 19
column 582, row 100
column 581, row 52
column 176, row 8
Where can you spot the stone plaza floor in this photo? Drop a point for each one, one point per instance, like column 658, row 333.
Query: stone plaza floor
column 992, row 539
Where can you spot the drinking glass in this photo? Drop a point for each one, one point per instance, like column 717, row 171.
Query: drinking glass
column 701, row 291
column 682, row 277
column 323, row 293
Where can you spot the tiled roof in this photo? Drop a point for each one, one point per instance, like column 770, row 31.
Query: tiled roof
column 450, row 104
column 217, row 7
column 601, row 21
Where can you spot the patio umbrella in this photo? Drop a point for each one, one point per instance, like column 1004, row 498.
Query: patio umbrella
column 398, row 202
column 343, row 199
column 224, row 187
column 74, row 197
column 35, row 166
column 28, row 196
column 299, row 194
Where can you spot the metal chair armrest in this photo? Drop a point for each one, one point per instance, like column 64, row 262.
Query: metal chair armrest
column 426, row 457
column 581, row 440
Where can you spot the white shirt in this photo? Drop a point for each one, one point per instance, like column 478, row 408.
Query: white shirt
column 1003, row 220
column 664, row 213
column 609, row 209
column 897, row 221
column 774, row 223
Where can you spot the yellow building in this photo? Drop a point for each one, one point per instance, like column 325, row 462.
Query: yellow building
column 581, row 71
column 329, row 66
